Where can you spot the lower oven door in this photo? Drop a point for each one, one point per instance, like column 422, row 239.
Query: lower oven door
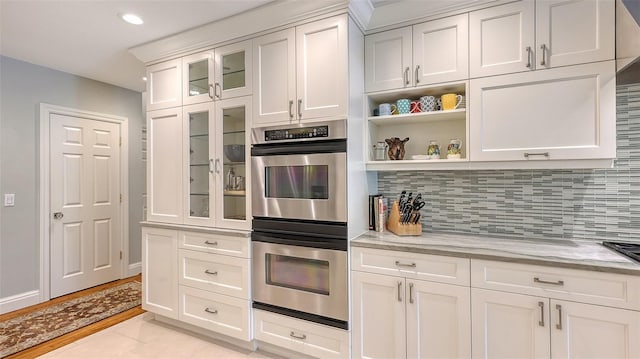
column 309, row 280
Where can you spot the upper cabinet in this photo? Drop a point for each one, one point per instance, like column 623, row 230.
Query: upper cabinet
column 527, row 35
column 218, row 74
column 301, row 73
column 431, row 52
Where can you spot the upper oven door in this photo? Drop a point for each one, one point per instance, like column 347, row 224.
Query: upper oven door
column 310, row 186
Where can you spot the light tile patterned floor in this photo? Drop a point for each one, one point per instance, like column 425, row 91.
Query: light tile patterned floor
column 142, row 337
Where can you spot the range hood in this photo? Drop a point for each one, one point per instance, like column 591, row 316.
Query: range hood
column 628, row 38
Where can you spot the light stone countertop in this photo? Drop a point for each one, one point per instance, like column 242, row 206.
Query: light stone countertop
column 208, row 230
column 564, row 253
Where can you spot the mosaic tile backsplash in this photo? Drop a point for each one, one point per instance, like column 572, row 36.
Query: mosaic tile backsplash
column 589, row 204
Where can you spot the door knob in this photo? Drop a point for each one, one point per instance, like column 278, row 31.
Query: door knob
column 58, row 215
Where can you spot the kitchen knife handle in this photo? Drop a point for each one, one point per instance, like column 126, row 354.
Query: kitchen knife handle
column 411, row 293
column 541, row 322
column 399, row 291
column 559, row 325
column 411, row 265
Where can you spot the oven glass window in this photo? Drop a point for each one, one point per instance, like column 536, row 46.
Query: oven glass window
column 305, row 274
column 303, row 182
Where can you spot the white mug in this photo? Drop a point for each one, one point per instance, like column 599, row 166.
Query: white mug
column 386, row 109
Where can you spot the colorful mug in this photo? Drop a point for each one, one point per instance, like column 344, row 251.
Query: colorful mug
column 386, row 109
column 451, row 101
column 428, row 103
column 416, row 106
column 404, row 106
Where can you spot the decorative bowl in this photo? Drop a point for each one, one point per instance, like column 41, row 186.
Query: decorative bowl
column 235, row 153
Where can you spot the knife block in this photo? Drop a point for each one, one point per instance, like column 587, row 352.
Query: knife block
column 402, row 229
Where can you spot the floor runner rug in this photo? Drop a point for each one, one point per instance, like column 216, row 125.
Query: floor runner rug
column 37, row 327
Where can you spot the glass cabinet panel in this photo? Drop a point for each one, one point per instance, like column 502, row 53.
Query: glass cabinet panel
column 233, row 71
column 198, row 78
column 199, row 165
column 234, row 165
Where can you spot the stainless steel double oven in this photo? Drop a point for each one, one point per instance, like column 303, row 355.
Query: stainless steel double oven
column 299, row 237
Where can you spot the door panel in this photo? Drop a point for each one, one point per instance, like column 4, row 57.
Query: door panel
column 388, row 60
column 85, row 190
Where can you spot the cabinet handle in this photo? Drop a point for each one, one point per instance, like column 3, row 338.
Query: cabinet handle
column 206, row 271
column 399, row 291
column 209, row 91
column 528, row 49
column 541, row 322
column 210, row 243
column 291, row 109
column 417, row 72
column 559, row 325
column 215, row 93
column 543, row 47
column 212, row 311
column 294, row 335
column 217, row 165
column 545, row 154
column 58, row 215
column 400, row 264
column 210, row 166
column 538, row 280
column 406, row 76
column 300, row 109
column 411, row 293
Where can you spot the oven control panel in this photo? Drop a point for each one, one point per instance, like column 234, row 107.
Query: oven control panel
column 296, row 133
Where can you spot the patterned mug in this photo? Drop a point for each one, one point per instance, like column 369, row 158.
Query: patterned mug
column 404, row 106
column 428, row 103
column 416, row 106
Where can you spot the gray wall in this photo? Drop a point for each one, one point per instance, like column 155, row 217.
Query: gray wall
column 589, row 204
column 23, row 87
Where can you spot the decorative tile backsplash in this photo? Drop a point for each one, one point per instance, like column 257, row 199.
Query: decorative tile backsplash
column 592, row 204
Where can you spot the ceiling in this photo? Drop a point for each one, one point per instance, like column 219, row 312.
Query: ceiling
column 87, row 37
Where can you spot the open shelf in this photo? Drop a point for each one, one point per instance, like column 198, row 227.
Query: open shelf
column 420, row 117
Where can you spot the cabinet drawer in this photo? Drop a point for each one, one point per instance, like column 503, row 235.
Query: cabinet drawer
column 219, row 313
column 442, row 269
column 215, row 243
column 610, row 289
column 300, row 336
column 216, row 273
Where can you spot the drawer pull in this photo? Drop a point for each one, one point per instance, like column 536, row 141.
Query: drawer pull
column 538, row 280
column 559, row 325
column 210, row 243
column 541, row 322
column 529, row 154
column 400, row 264
column 209, row 310
column 294, row 335
column 206, row 271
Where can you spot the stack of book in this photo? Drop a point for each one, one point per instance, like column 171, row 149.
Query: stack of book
column 378, row 208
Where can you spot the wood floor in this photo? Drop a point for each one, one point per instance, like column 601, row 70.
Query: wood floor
column 77, row 334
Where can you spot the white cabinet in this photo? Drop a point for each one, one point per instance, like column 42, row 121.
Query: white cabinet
column 164, row 165
column 528, row 311
column 396, row 315
column 566, row 113
column 197, row 72
column 233, row 70
column 526, row 35
column 164, row 85
column 426, row 53
column 302, row 73
column 160, row 271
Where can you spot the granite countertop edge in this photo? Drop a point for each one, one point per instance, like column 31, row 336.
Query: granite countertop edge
column 571, row 254
column 190, row 228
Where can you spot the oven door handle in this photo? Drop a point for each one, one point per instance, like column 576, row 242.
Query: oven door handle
column 324, row 243
column 300, row 148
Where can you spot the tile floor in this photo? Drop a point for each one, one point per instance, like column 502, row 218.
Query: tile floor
column 142, row 337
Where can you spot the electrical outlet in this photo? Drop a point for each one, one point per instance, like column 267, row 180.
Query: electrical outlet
column 9, row 199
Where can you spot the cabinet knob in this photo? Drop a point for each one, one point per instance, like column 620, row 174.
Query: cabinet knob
column 58, row 215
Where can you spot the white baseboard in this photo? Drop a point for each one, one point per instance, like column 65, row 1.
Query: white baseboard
column 19, row 301
column 134, row 269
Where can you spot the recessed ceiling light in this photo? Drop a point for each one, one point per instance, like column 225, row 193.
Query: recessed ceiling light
column 132, row 19
column 144, row 78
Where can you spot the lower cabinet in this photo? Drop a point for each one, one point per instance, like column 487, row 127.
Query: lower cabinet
column 160, row 271
column 300, row 336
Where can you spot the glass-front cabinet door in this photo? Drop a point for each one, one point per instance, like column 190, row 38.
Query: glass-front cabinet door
column 198, row 145
column 233, row 70
column 233, row 178
column 197, row 75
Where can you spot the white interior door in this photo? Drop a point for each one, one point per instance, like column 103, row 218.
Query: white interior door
column 85, row 205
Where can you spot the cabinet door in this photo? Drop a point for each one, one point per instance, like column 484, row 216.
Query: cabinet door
column 378, row 316
column 441, row 50
column 387, row 60
column 564, row 113
column 232, row 165
column 197, row 72
column 164, row 165
column 160, row 271
column 574, row 32
column 438, row 320
column 322, row 77
column 506, row 325
column 501, row 39
column 198, row 167
column 591, row 331
column 274, row 78
column 164, row 85
column 233, row 70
